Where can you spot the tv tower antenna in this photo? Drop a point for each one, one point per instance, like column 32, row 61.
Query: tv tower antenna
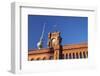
column 40, row 43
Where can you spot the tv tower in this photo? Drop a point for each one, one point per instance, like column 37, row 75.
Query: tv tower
column 40, row 43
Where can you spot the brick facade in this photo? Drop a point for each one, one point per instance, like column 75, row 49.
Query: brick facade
column 56, row 51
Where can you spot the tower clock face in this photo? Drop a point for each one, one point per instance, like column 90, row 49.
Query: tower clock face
column 54, row 41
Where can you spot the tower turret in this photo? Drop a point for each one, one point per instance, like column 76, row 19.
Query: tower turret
column 55, row 43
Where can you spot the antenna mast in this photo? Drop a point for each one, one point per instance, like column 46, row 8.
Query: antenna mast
column 41, row 38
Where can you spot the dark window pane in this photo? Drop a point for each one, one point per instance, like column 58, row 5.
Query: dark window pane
column 66, row 56
column 32, row 59
column 51, row 57
column 77, row 55
column 84, row 55
column 73, row 55
column 70, row 56
column 62, row 56
column 87, row 53
column 38, row 59
column 80, row 55
column 44, row 58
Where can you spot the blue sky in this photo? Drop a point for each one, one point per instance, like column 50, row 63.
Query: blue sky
column 73, row 29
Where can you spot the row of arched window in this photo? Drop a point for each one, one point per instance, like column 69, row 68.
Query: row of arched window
column 44, row 58
column 75, row 55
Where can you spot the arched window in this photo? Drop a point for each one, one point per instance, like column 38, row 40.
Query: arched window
column 66, row 56
column 51, row 57
column 32, row 59
column 77, row 55
column 80, row 55
column 44, row 58
column 73, row 55
column 87, row 54
column 84, row 55
column 62, row 56
column 38, row 59
column 70, row 56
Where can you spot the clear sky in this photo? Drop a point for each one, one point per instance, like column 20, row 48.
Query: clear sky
column 73, row 29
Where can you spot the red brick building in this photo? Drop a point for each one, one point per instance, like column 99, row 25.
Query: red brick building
column 56, row 51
